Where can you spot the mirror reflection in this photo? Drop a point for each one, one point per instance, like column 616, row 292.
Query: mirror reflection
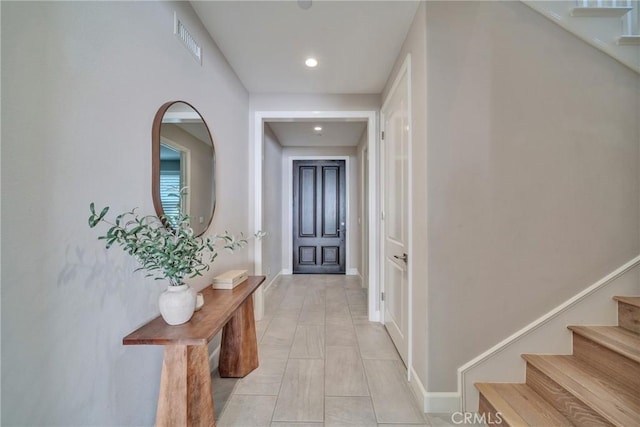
column 184, row 178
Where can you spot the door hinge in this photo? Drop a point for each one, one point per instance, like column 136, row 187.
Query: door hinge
column 381, row 296
column 382, row 135
column 382, row 215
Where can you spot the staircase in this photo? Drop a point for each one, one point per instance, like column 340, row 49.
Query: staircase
column 598, row 385
column 612, row 26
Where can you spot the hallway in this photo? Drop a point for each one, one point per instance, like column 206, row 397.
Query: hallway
column 321, row 361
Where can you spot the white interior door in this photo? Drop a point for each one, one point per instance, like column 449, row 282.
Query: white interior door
column 395, row 124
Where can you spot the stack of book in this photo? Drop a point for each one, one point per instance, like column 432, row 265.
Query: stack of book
column 229, row 279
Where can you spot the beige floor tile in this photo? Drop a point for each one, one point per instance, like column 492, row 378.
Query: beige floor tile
column 403, row 425
column 339, row 332
column 301, row 395
column 222, row 389
column 336, row 299
column 375, row 343
column 344, row 373
column 292, row 313
column 285, row 424
column 308, row 343
column 280, row 332
column 337, row 319
column 349, row 411
column 315, row 295
column 267, row 351
column 337, row 310
column 361, row 320
column 311, row 317
column 247, row 411
column 392, row 399
column 333, row 324
column 353, row 282
column 265, row 380
column 293, row 300
column 358, row 310
column 261, row 327
column 446, row 420
column 356, row 296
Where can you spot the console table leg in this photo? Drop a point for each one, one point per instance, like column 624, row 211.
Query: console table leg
column 239, row 347
column 186, row 397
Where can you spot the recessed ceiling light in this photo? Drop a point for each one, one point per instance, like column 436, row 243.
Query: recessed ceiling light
column 317, row 128
column 311, row 62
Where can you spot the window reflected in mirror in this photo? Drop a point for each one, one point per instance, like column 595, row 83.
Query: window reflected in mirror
column 172, row 181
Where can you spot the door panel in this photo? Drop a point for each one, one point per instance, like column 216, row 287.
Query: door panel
column 319, row 216
column 307, row 218
column 394, row 152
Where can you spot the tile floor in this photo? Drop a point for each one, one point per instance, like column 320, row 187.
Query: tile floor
column 321, row 363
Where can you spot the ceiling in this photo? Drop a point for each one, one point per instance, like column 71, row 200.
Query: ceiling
column 333, row 133
column 266, row 42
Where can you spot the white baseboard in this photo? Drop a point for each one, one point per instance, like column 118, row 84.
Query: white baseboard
column 548, row 334
column 214, row 357
column 442, row 402
column 433, row 402
column 286, row 272
column 418, row 389
column 268, row 285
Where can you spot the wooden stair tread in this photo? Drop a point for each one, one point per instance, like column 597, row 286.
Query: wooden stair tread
column 520, row 405
column 612, row 401
column 634, row 301
column 615, row 338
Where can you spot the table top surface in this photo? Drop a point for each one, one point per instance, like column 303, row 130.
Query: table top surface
column 219, row 306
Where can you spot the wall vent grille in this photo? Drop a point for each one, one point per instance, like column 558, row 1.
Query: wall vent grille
column 187, row 39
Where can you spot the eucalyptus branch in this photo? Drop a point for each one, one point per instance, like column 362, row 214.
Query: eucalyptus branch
column 165, row 250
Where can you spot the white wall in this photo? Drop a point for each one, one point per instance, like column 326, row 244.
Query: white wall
column 81, row 84
column 363, row 206
column 273, row 217
column 353, row 231
column 533, row 166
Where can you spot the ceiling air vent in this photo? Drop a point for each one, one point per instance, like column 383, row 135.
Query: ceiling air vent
column 189, row 41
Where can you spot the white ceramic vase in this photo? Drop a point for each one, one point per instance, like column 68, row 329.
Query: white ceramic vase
column 177, row 304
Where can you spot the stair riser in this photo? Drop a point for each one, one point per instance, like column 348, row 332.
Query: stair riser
column 629, row 317
column 490, row 413
column 618, row 367
column 565, row 402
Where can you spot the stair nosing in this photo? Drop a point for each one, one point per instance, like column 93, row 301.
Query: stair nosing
column 633, row 301
column 495, row 397
column 511, row 416
column 568, row 383
column 594, row 334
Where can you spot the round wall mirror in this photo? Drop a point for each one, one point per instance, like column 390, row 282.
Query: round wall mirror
column 183, row 180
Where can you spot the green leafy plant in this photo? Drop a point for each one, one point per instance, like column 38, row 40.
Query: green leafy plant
column 165, row 249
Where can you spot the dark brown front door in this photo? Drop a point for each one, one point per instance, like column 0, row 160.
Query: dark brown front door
column 319, row 212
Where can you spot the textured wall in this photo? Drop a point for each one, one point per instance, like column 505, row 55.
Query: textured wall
column 533, row 169
column 81, row 83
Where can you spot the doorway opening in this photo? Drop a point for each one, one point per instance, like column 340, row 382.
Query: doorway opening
column 362, row 216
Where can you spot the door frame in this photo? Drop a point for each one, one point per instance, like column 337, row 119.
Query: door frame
column 287, row 232
column 256, row 154
column 405, row 69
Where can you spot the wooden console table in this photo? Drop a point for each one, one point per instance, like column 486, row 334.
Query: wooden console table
column 186, row 397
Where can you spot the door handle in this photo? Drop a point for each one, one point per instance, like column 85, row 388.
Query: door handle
column 404, row 257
